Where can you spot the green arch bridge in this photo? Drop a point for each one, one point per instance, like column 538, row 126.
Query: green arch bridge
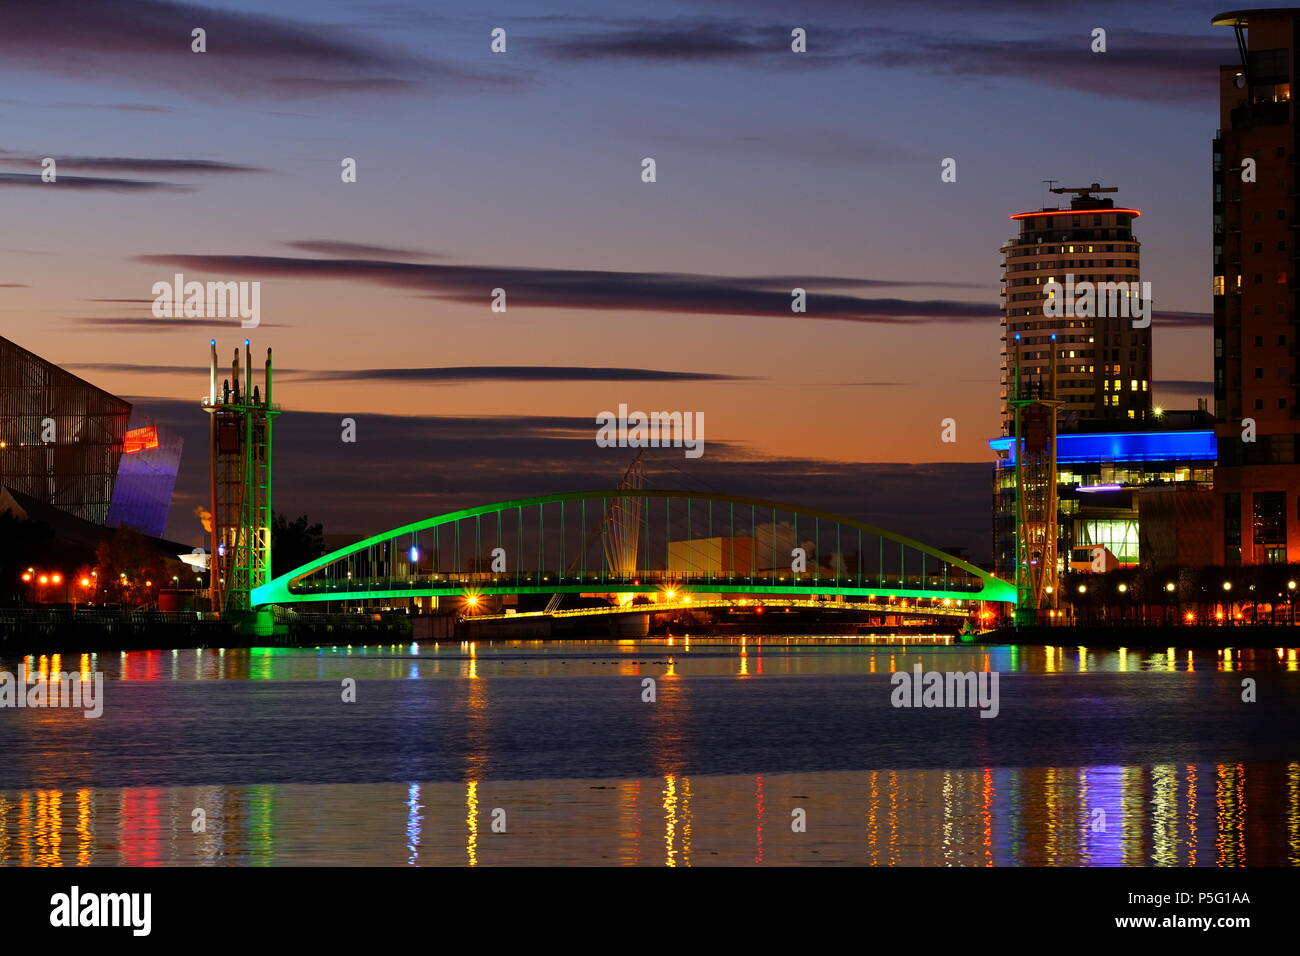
column 626, row 541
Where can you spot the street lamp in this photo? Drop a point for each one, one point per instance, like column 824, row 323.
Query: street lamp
column 1290, row 586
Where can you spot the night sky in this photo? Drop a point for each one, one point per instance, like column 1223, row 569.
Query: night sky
column 522, row 170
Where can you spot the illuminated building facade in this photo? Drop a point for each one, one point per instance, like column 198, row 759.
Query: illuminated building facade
column 146, row 477
column 1102, row 478
column 1103, row 362
column 1256, row 333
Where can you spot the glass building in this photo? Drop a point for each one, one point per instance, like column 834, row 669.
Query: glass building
column 61, row 438
column 1101, row 477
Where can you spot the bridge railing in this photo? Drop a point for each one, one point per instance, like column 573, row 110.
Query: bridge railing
column 647, row 580
column 635, row 541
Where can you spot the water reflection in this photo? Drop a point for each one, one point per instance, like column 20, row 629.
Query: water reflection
column 745, row 657
column 1173, row 815
column 463, row 710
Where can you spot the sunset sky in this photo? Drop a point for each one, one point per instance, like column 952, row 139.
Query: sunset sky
column 522, row 170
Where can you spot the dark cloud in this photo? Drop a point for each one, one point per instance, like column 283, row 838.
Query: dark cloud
column 149, row 42
column 519, row 373
column 672, row 42
column 115, row 107
column 1184, row 386
column 152, row 324
column 118, row 107
column 343, row 249
column 1186, row 320
column 91, row 183
column 1138, row 65
column 464, row 373
column 401, row 469
column 14, row 285
column 609, row 291
column 118, row 164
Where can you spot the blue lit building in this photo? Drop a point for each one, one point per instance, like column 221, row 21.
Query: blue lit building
column 1141, row 495
column 146, row 477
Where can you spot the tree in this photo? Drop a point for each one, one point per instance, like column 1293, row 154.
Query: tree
column 294, row 543
column 130, row 569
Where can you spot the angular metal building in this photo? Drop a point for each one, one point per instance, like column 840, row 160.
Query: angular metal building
column 61, row 438
column 146, row 477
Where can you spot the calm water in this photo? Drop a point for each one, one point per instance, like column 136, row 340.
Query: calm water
column 1098, row 756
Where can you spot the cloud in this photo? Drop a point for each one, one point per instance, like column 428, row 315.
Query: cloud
column 520, row 373
column 1139, row 65
column 91, row 183
column 119, row 164
column 452, row 374
column 670, row 42
column 1184, row 386
column 148, row 42
column 151, row 324
column 681, row 293
column 1184, row 320
column 356, row 250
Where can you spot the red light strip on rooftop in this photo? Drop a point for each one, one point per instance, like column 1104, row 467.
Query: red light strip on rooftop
column 1072, row 212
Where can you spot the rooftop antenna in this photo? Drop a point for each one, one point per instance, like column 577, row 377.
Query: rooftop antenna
column 1050, row 183
column 1084, row 192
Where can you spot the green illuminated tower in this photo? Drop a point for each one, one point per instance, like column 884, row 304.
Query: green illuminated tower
column 240, row 449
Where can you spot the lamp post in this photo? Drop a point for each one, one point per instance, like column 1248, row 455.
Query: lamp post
column 1290, row 586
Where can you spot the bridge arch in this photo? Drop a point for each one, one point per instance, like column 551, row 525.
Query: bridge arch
column 635, row 540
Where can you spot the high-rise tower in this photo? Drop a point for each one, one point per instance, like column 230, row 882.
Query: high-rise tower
column 1103, row 361
column 1256, row 334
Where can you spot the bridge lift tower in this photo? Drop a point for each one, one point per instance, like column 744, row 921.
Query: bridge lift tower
column 1034, row 406
column 240, row 449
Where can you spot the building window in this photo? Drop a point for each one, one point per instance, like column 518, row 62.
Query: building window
column 1270, row 518
column 1232, row 527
